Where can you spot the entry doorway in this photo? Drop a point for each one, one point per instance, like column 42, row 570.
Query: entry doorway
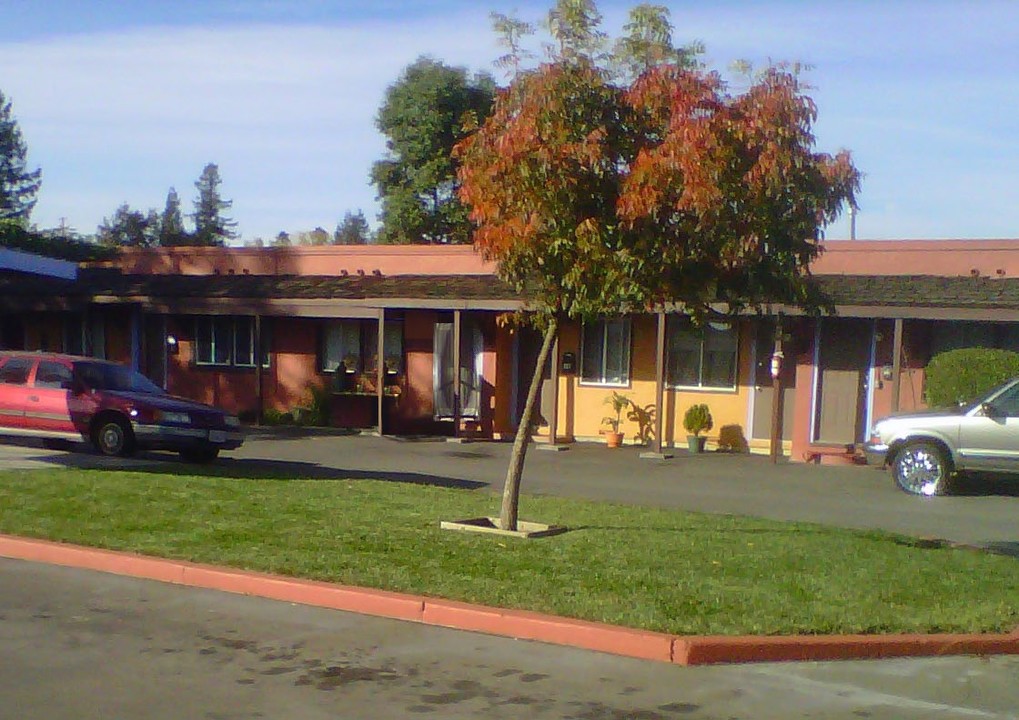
column 471, row 355
column 764, row 390
column 844, row 356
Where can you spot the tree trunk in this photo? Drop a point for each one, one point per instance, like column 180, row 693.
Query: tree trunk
column 511, row 490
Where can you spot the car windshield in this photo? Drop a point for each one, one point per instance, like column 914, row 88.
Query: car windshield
column 107, row 376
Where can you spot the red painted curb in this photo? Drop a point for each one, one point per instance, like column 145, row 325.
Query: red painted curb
column 551, row 629
column 682, row 650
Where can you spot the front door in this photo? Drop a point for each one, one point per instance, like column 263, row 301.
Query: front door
column 764, row 391
column 48, row 407
column 843, row 366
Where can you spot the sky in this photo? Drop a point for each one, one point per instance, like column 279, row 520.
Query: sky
column 119, row 100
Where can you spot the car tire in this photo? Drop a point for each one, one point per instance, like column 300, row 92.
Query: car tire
column 199, row 455
column 113, row 437
column 922, row 468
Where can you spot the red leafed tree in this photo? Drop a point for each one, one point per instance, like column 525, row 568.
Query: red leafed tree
column 596, row 198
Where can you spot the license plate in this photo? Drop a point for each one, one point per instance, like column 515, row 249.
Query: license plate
column 217, row 436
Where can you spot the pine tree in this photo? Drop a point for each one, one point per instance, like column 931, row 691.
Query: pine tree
column 211, row 226
column 18, row 186
column 352, row 230
column 171, row 227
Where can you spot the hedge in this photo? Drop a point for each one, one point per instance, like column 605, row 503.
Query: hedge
column 964, row 375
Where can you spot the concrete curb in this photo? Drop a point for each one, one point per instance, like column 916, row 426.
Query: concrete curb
column 678, row 649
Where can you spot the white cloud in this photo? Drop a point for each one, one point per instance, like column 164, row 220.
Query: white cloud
column 925, row 93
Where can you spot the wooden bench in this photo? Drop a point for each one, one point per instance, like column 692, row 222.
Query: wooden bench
column 840, row 454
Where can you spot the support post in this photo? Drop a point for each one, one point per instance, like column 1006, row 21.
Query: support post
column 776, row 392
column 380, row 369
column 553, row 420
column 259, row 400
column 657, row 452
column 896, row 364
column 457, row 372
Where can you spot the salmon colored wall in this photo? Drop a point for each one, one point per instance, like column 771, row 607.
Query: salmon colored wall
column 582, row 407
column 319, row 260
column 990, row 258
column 416, row 405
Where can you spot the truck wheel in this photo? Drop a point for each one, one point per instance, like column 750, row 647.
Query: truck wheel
column 922, row 468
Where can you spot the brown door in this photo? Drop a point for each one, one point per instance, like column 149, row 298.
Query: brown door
column 154, row 341
column 764, row 391
column 843, row 363
column 529, row 349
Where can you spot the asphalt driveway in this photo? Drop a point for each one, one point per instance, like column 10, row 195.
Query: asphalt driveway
column 986, row 513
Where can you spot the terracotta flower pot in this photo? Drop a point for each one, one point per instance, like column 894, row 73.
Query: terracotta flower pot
column 613, row 439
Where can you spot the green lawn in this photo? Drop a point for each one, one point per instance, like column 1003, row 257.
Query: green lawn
column 642, row 567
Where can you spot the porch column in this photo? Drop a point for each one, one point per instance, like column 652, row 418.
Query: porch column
column 259, row 400
column 776, row 392
column 657, row 453
column 136, row 346
column 456, row 373
column 553, row 420
column 380, row 368
column 896, row 364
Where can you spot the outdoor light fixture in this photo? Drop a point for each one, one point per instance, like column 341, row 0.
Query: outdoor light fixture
column 171, row 344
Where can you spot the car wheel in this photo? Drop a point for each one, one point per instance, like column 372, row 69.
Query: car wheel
column 199, row 455
column 113, row 437
column 922, row 468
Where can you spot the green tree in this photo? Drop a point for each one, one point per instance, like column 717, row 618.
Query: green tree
column 171, row 226
column 352, row 230
column 18, row 185
column 648, row 43
column 422, row 118
column 282, row 239
column 211, row 226
column 129, row 228
column 318, row 236
column 595, row 198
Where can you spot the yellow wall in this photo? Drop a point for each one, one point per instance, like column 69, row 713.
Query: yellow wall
column 582, row 407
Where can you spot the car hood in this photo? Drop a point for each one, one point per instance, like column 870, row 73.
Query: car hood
column 929, row 413
column 170, row 403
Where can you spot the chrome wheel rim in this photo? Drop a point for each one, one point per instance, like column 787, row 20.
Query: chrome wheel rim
column 919, row 471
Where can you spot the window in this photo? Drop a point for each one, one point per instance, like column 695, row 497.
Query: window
column 702, row 357
column 228, row 341
column 341, row 346
column 15, row 371
column 53, row 375
column 605, row 352
column 392, row 337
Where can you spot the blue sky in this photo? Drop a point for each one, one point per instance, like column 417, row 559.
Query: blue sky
column 120, row 100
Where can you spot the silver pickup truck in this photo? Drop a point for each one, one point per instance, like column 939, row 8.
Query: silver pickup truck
column 925, row 449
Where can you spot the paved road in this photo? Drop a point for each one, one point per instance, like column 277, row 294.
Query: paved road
column 81, row 645
column 987, row 513
column 855, row 497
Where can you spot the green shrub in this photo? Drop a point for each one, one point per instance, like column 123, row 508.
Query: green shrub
column 964, row 375
column 697, row 419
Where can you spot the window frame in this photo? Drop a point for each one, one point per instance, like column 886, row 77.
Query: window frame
column 683, row 324
column 231, row 322
column 603, row 325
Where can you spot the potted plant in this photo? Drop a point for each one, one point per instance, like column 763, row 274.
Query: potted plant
column 614, row 438
column 697, row 420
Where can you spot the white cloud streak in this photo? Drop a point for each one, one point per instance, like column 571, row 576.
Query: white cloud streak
column 926, row 94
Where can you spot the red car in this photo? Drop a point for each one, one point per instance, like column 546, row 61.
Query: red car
column 62, row 398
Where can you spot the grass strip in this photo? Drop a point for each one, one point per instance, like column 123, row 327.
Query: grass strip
column 650, row 568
